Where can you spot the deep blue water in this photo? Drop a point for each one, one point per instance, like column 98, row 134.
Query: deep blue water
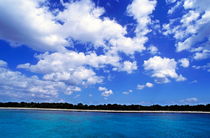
column 61, row 124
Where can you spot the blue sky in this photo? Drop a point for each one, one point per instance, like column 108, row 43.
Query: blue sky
column 105, row 51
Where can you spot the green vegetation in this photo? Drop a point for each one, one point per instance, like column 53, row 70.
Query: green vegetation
column 108, row 106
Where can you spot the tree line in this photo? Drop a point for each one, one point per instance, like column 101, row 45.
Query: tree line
column 108, row 106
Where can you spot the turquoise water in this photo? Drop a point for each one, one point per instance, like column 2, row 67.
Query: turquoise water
column 61, row 124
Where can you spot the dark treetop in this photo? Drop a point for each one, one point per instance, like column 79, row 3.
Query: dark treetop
column 108, row 106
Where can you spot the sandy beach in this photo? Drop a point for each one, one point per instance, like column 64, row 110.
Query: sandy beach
column 107, row 111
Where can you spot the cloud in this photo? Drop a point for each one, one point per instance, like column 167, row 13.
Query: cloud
column 67, row 67
column 141, row 11
column 105, row 91
column 147, row 85
column 184, row 62
column 127, row 92
column 127, row 45
column 129, row 66
column 79, row 20
column 15, row 84
column 46, row 30
column 196, row 4
column 85, row 23
column 3, row 63
column 189, row 17
column 79, row 76
column 162, row 69
column 173, row 9
column 189, row 100
column 203, row 67
column 76, row 68
column 152, row 50
column 25, row 22
column 201, row 53
column 181, row 32
column 191, row 31
column 82, row 21
column 171, row 1
column 54, row 32
column 71, row 67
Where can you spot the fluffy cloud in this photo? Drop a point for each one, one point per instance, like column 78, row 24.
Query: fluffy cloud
column 152, row 50
column 105, row 91
column 184, row 62
column 140, row 10
column 48, row 31
column 69, row 67
column 79, row 76
column 127, row 45
column 76, row 68
column 25, row 22
column 162, row 69
column 85, row 23
column 15, row 84
column 201, row 53
column 67, row 61
column 82, row 22
column 128, row 66
column 79, row 20
column 147, row 85
column 191, row 32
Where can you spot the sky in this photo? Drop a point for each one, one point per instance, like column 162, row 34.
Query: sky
column 105, row 51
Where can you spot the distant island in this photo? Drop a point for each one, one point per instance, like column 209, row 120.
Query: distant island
column 107, row 107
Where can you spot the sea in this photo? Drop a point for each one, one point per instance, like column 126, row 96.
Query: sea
column 65, row 124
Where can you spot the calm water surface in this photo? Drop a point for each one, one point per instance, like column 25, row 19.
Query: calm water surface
column 62, row 124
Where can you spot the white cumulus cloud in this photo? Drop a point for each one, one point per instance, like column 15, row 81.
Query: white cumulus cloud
column 16, row 84
column 25, row 22
column 184, row 62
column 82, row 22
column 147, row 85
column 105, row 92
column 129, row 66
column 141, row 10
column 163, row 69
column 152, row 50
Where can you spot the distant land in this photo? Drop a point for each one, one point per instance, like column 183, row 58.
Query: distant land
column 107, row 107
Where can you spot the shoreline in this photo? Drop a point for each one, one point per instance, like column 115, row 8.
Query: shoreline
column 103, row 111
